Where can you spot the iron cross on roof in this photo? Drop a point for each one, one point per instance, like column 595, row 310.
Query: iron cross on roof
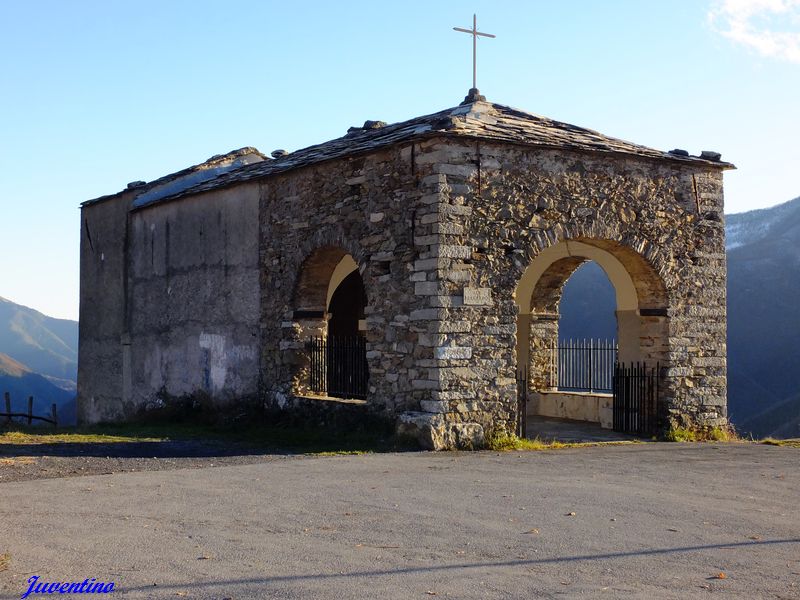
column 474, row 33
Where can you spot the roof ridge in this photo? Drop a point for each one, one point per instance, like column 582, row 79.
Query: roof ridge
column 480, row 119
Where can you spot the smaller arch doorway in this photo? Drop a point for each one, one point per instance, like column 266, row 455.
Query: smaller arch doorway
column 572, row 379
column 331, row 302
column 346, row 307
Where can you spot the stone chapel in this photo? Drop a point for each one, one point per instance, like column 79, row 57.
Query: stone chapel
column 410, row 272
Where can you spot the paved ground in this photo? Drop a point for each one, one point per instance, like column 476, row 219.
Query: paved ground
column 546, row 429
column 23, row 462
column 641, row 521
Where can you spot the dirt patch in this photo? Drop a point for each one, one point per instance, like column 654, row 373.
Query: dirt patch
column 23, row 462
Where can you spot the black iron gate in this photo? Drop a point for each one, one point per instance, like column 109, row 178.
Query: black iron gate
column 338, row 366
column 522, row 402
column 635, row 388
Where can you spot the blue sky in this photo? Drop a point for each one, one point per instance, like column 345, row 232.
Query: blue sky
column 96, row 94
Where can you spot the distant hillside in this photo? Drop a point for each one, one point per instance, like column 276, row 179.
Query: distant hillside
column 588, row 305
column 763, row 320
column 20, row 382
column 45, row 345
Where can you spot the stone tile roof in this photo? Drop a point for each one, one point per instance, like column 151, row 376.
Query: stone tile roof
column 476, row 119
column 153, row 191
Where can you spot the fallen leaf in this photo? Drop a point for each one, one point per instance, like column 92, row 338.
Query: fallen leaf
column 671, row 529
column 720, row 575
column 570, row 514
column 430, row 593
column 754, row 537
column 204, row 557
column 534, row 530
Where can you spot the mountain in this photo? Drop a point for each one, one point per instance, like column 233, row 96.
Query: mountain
column 588, row 304
column 763, row 320
column 763, row 248
column 45, row 345
column 39, row 358
column 20, row 382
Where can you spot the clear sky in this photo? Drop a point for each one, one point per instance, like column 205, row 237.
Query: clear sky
column 94, row 95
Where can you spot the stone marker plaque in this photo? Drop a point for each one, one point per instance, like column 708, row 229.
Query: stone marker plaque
column 477, row 296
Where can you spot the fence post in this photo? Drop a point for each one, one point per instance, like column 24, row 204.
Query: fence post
column 30, row 410
column 55, row 415
column 8, row 407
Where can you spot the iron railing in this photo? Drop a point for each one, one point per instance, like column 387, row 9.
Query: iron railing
column 338, row 366
column 583, row 365
column 635, row 398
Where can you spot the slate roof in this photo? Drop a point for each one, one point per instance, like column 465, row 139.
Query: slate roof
column 477, row 119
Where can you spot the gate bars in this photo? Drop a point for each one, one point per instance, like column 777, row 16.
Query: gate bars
column 338, row 366
column 635, row 389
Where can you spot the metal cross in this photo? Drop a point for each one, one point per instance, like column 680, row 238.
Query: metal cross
column 474, row 33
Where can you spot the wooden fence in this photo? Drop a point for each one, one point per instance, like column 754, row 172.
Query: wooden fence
column 53, row 418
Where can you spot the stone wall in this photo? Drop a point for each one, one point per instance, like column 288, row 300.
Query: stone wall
column 366, row 207
column 500, row 206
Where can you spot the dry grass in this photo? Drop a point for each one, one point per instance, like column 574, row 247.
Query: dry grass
column 506, row 443
column 17, row 460
column 710, row 434
column 5, row 559
column 71, row 437
column 792, row 443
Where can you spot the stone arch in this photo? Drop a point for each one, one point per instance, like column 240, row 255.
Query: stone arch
column 312, row 288
column 641, row 294
column 321, row 279
column 643, row 261
column 329, row 258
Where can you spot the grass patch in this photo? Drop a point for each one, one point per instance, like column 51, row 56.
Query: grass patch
column 5, row 559
column 254, row 436
column 708, row 434
column 66, row 436
column 792, row 443
column 507, row 443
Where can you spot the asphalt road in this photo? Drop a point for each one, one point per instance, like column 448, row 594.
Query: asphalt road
column 643, row 521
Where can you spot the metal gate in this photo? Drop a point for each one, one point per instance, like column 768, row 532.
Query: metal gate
column 635, row 388
column 522, row 402
column 338, row 366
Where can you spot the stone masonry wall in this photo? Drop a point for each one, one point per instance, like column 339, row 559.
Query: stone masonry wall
column 381, row 210
column 500, row 205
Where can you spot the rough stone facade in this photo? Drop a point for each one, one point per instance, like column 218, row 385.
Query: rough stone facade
column 463, row 226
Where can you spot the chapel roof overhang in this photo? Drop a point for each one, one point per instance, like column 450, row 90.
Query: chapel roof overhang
column 476, row 119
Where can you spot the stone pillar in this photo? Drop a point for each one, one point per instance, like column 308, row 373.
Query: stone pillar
column 543, row 337
column 628, row 336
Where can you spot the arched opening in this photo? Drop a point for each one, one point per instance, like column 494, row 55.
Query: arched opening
column 543, row 358
column 586, row 348
column 331, row 300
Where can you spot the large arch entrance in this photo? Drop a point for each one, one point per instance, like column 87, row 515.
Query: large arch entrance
column 641, row 327
column 331, row 300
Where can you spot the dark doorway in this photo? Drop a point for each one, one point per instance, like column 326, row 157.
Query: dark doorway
column 346, row 308
column 346, row 351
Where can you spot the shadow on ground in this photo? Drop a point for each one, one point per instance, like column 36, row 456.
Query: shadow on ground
column 555, row 560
